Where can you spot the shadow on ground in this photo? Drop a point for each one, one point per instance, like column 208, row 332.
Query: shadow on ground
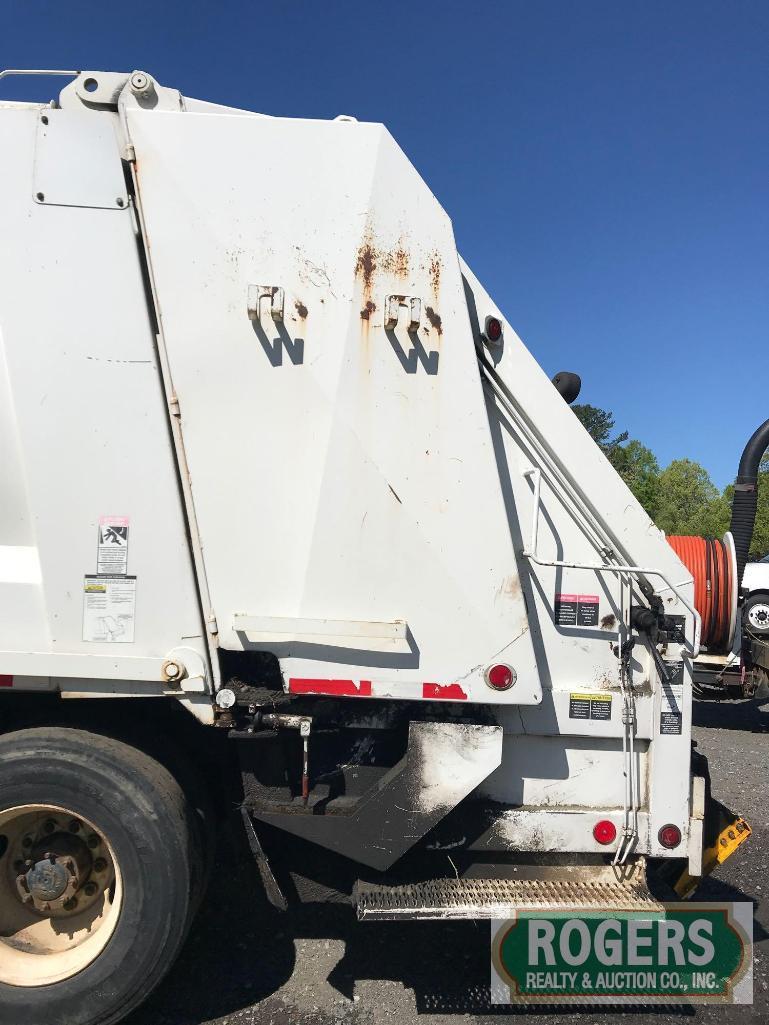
column 751, row 716
column 241, row 951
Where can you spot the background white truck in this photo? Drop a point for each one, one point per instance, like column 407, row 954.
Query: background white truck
column 282, row 485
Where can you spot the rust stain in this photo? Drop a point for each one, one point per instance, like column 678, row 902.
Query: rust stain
column 608, row 622
column 366, row 263
column 367, row 310
column 371, row 258
column 435, row 273
column 300, row 308
column 434, row 319
column 396, row 262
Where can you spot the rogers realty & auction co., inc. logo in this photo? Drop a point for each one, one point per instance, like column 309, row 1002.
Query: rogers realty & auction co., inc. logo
column 683, row 953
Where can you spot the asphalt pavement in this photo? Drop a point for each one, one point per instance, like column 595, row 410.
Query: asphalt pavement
column 245, row 964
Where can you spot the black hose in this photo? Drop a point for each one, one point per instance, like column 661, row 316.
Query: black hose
column 745, row 498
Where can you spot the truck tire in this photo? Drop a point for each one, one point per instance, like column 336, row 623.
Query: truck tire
column 755, row 613
column 97, row 844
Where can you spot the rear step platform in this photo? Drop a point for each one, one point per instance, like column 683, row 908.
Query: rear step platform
column 495, row 898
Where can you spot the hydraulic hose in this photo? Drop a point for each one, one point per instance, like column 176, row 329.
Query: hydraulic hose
column 710, row 563
column 746, row 495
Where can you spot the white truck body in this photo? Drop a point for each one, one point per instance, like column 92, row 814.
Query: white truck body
column 257, row 352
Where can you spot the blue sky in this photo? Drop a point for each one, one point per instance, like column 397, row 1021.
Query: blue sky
column 605, row 164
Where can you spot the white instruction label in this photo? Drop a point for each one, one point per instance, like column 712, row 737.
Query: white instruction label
column 112, row 553
column 109, row 608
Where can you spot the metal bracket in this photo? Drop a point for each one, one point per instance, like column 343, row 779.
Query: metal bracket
column 393, row 305
column 276, row 296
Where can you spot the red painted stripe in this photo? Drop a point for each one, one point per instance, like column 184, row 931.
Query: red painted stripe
column 443, row 691
column 6, row 681
column 340, row 688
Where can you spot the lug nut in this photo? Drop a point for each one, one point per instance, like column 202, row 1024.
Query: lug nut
column 90, row 889
column 74, row 826
column 93, row 841
column 49, row 826
column 71, row 904
column 99, row 865
column 27, row 841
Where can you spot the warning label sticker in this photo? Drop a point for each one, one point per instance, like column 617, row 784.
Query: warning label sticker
column 109, row 608
column 576, row 609
column 590, row 706
column 112, row 551
column 671, row 706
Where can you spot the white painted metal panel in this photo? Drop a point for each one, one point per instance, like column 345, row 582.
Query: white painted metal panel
column 83, row 427
column 75, row 161
column 577, row 658
column 340, row 469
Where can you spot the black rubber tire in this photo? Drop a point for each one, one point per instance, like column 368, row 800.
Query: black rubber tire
column 143, row 812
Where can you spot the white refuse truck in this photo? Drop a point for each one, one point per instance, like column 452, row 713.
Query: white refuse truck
column 282, row 489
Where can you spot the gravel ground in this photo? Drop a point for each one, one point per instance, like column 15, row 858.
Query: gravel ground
column 245, row 964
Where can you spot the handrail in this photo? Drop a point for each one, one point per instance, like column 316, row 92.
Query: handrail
column 37, row 71
column 530, row 552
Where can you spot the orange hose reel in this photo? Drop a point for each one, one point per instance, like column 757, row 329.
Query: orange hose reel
column 712, row 564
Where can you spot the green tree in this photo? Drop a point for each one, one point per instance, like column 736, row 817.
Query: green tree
column 638, row 467
column 687, row 499
column 634, row 462
column 599, row 423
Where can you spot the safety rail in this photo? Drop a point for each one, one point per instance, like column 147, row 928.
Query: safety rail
column 595, row 529
column 530, row 552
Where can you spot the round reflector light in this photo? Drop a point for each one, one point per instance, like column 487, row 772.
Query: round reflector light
column 500, row 677
column 669, row 836
column 604, row 832
column 493, row 329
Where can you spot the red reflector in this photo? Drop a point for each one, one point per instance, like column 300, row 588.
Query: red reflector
column 604, row 832
column 493, row 329
column 500, row 677
column 669, row 836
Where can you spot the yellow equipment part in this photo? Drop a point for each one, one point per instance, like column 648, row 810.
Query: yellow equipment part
column 729, row 839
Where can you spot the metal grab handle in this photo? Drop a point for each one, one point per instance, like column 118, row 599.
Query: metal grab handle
column 393, row 305
column 531, row 553
column 37, row 71
column 274, row 294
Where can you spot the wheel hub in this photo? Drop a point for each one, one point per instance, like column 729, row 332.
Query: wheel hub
column 60, row 894
column 49, row 879
column 54, row 872
column 758, row 615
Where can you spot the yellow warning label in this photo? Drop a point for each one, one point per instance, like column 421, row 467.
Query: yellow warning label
column 590, row 706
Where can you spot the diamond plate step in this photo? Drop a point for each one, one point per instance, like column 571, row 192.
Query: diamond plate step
column 494, row 898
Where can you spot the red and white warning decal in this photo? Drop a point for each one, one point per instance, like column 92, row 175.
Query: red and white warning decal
column 112, row 551
column 576, row 609
column 367, row 689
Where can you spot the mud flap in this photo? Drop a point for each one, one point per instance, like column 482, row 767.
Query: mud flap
column 271, row 888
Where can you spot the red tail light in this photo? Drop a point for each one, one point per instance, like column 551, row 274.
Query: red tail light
column 500, row 677
column 492, row 329
column 604, row 832
column 669, row 836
